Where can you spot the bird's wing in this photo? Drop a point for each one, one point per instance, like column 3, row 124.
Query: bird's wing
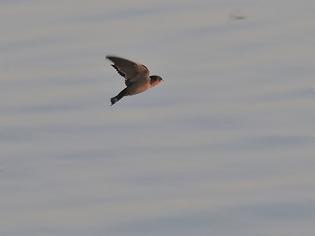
column 130, row 70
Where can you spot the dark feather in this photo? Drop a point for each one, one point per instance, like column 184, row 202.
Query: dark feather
column 119, row 72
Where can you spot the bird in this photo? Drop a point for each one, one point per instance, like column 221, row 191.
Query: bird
column 137, row 77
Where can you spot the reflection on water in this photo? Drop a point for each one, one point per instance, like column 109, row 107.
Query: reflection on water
column 225, row 146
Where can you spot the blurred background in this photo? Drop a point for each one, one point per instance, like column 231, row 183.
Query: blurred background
column 225, row 146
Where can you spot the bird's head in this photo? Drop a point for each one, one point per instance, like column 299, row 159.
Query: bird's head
column 155, row 80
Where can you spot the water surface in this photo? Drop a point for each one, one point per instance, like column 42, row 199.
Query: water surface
column 224, row 147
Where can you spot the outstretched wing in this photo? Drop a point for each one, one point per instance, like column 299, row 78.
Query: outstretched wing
column 130, row 70
column 119, row 72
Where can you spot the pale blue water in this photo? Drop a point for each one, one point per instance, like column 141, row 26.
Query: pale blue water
column 225, row 146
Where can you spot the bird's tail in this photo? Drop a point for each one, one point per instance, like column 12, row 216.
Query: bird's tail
column 115, row 99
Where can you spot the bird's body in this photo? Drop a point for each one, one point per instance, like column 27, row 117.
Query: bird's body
column 137, row 77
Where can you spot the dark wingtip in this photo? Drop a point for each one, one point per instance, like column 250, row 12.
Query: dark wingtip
column 110, row 57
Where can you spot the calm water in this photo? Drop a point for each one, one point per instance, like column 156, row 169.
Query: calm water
column 224, row 147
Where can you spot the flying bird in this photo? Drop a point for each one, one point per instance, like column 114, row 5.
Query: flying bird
column 137, row 77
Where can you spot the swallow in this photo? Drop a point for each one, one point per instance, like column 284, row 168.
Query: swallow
column 137, row 77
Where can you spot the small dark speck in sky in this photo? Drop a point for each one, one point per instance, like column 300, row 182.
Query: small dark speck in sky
column 237, row 15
